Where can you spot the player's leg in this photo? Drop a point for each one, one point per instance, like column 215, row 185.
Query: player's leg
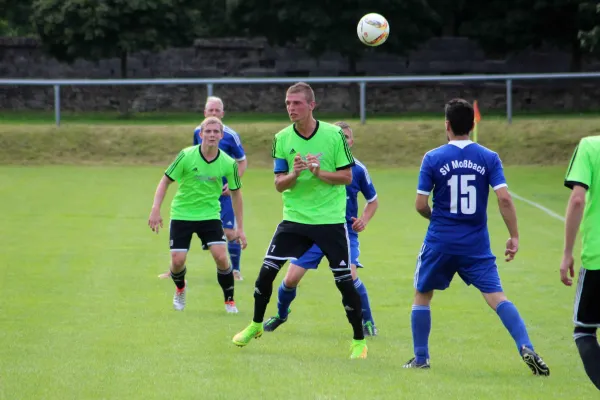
column 287, row 289
column 230, row 228
column 434, row 271
column 482, row 273
column 334, row 242
column 289, row 242
column 212, row 235
column 369, row 328
column 180, row 237
column 587, row 319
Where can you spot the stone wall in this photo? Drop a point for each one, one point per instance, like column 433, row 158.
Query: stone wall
column 234, row 57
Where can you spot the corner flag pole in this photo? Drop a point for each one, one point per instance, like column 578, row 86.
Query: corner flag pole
column 477, row 119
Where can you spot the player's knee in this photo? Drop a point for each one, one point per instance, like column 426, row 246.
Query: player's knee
column 342, row 275
column 353, row 272
column 230, row 234
column 293, row 276
column 581, row 331
column 178, row 259
column 263, row 287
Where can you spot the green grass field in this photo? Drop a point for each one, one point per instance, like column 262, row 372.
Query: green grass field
column 84, row 315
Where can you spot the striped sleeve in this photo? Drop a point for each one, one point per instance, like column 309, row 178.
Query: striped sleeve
column 343, row 155
column 233, row 178
column 175, row 170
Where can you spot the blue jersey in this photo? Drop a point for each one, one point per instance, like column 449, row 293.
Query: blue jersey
column 460, row 174
column 231, row 144
column 361, row 183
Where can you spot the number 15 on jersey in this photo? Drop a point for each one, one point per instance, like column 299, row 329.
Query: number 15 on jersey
column 460, row 187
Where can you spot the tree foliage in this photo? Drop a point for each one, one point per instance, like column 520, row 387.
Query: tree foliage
column 14, row 20
column 330, row 25
column 91, row 29
column 589, row 36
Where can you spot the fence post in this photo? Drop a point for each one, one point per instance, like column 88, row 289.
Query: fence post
column 57, row 104
column 509, row 100
column 363, row 102
column 209, row 89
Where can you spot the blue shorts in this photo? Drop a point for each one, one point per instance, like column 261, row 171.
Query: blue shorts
column 435, row 271
column 227, row 215
column 313, row 256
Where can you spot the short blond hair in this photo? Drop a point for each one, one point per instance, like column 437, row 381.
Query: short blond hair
column 302, row 87
column 215, row 99
column 343, row 125
column 211, row 120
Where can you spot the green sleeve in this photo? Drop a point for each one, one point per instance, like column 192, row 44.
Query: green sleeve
column 233, row 177
column 580, row 167
column 175, row 170
column 343, row 155
column 277, row 151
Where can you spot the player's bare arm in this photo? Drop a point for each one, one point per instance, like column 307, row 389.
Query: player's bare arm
column 242, row 165
column 359, row 224
column 341, row 177
column 238, row 210
column 572, row 222
column 155, row 220
column 422, row 206
column 285, row 181
column 509, row 214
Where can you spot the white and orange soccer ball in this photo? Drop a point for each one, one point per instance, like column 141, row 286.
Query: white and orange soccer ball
column 373, row 29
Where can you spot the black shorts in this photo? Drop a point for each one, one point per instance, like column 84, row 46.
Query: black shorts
column 180, row 233
column 587, row 299
column 292, row 240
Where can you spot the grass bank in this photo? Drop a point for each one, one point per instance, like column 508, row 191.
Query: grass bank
column 534, row 141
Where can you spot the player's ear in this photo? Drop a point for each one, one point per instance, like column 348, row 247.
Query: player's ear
column 312, row 105
column 447, row 126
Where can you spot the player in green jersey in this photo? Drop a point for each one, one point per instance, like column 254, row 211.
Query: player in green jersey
column 583, row 177
column 313, row 163
column 195, row 208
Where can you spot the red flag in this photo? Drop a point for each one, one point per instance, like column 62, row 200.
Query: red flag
column 477, row 114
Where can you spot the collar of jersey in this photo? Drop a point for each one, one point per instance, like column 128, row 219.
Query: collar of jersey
column 205, row 160
column 311, row 135
column 460, row 143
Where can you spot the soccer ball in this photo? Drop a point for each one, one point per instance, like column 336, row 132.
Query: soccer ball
column 373, row 29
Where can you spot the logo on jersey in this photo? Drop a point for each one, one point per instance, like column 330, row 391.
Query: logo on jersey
column 292, row 151
column 206, row 178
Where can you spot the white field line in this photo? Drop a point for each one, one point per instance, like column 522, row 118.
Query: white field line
column 538, row 206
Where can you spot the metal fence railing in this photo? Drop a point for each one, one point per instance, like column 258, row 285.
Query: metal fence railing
column 362, row 81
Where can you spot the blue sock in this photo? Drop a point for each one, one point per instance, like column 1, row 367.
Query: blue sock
column 420, row 319
column 364, row 299
column 235, row 252
column 285, row 297
column 514, row 324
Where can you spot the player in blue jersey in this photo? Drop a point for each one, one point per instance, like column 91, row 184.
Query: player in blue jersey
column 361, row 182
column 231, row 144
column 457, row 240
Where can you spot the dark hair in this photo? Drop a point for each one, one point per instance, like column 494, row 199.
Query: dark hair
column 460, row 115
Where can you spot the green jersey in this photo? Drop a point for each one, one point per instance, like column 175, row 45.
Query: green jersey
column 584, row 170
column 200, row 184
column 312, row 201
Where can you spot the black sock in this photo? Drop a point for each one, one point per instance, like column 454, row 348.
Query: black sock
column 263, row 288
column 179, row 278
column 352, row 305
column 225, row 279
column 589, row 351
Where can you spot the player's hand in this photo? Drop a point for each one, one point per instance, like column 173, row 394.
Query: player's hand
column 155, row 221
column 226, row 191
column 358, row 225
column 241, row 239
column 567, row 265
column 512, row 246
column 299, row 165
column 314, row 165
